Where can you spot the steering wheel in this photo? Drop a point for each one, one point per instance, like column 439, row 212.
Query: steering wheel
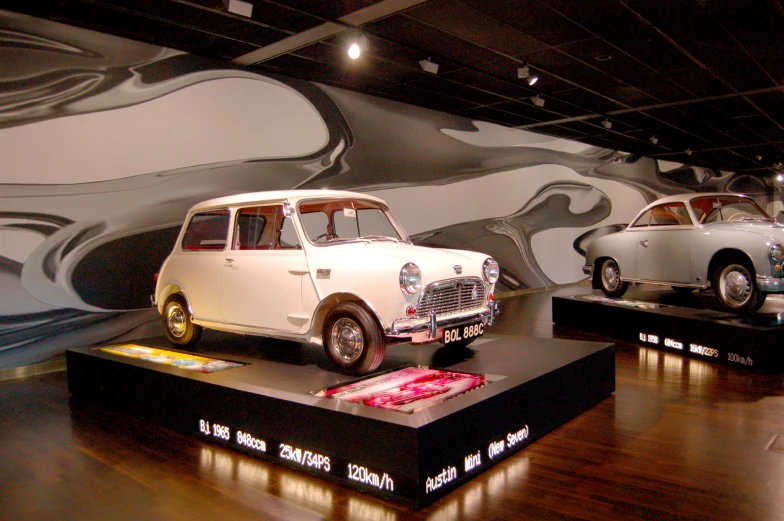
column 327, row 236
column 739, row 216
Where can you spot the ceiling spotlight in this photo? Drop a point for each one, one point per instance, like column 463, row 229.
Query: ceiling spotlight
column 356, row 46
column 758, row 157
column 239, row 7
column 654, row 139
column 524, row 72
column 688, row 151
column 606, row 123
column 780, row 178
column 538, row 101
column 429, row 66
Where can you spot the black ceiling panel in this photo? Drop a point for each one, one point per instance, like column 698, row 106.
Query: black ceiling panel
column 703, row 76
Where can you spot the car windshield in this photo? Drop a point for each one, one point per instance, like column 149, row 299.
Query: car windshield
column 713, row 209
column 340, row 220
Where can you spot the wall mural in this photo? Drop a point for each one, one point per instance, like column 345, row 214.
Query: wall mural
column 107, row 142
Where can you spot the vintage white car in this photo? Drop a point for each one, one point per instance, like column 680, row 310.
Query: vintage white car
column 695, row 241
column 327, row 267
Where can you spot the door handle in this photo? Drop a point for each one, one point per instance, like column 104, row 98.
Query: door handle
column 229, row 261
column 644, row 243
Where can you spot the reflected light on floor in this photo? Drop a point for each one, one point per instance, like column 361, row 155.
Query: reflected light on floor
column 253, row 473
column 362, row 510
column 673, row 365
column 216, row 463
column 305, row 491
column 649, row 362
column 702, row 373
column 473, row 499
column 510, row 475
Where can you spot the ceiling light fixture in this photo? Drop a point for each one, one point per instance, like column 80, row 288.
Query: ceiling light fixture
column 538, row 101
column 606, row 123
column 654, row 139
column 524, row 72
column 356, row 46
column 429, row 66
column 688, row 151
column 758, row 157
column 239, row 7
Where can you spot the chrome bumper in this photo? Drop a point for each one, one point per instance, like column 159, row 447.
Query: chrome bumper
column 424, row 330
column 588, row 270
column 770, row 284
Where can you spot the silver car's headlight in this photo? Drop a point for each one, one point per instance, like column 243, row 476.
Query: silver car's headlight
column 491, row 270
column 777, row 252
column 410, row 278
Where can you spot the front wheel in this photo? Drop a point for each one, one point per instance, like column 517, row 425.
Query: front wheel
column 177, row 324
column 610, row 275
column 735, row 286
column 353, row 339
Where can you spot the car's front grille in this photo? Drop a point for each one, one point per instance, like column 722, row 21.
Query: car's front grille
column 451, row 296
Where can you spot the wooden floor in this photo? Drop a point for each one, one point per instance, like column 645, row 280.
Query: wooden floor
column 680, row 438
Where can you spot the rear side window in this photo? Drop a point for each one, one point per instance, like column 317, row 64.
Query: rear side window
column 207, row 231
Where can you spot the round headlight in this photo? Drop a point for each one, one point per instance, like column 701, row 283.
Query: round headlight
column 410, row 278
column 777, row 252
column 491, row 270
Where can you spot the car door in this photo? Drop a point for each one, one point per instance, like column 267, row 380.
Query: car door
column 198, row 265
column 663, row 248
column 262, row 276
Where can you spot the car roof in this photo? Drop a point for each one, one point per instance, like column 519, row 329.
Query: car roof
column 682, row 198
column 274, row 196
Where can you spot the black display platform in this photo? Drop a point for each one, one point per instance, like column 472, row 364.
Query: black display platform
column 753, row 342
column 415, row 458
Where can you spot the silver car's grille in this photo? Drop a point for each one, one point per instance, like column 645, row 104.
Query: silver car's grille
column 451, row 296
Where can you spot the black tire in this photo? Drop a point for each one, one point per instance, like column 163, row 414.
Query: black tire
column 177, row 324
column 610, row 278
column 353, row 339
column 735, row 285
column 681, row 290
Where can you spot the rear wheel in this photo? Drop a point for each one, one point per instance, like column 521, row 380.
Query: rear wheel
column 610, row 275
column 735, row 286
column 177, row 324
column 353, row 339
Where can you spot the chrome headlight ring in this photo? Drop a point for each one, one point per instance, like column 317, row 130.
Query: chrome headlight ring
column 410, row 278
column 776, row 252
column 491, row 270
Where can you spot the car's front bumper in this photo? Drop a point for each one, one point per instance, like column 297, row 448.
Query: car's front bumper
column 424, row 330
column 770, row 284
column 588, row 270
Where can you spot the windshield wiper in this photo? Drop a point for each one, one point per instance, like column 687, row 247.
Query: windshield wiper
column 379, row 238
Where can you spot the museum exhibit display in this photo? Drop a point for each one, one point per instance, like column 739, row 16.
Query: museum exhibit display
column 695, row 241
column 410, row 433
column 328, row 267
column 751, row 341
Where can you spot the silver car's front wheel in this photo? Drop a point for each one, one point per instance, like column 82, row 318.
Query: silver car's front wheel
column 610, row 275
column 735, row 287
column 347, row 339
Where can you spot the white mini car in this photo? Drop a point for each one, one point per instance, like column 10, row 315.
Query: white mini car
column 693, row 241
column 327, row 267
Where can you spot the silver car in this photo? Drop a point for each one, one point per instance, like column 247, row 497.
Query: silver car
column 695, row 241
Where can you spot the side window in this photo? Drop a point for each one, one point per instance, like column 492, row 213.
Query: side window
column 264, row 228
column 288, row 235
column 643, row 221
column 670, row 214
column 315, row 223
column 207, row 231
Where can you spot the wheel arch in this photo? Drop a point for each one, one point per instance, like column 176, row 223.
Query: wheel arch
column 169, row 290
column 725, row 255
column 328, row 303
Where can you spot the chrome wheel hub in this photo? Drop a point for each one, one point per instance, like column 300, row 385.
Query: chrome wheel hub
column 735, row 285
column 610, row 276
column 176, row 321
column 347, row 339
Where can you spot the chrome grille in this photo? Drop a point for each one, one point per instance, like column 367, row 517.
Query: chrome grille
column 451, row 296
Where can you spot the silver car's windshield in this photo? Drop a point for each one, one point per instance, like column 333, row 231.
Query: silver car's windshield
column 333, row 221
column 713, row 209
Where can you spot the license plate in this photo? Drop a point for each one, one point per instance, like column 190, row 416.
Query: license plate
column 464, row 332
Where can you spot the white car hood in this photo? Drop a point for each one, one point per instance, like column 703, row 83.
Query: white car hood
column 435, row 263
column 771, row 230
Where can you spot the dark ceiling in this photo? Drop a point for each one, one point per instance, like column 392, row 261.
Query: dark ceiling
column 701, row 76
